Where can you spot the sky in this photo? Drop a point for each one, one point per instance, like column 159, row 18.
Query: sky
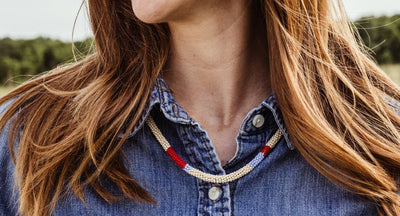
column 55, row 18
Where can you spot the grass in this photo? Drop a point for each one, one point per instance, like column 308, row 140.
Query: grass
column 5, row 89
column 393, row 70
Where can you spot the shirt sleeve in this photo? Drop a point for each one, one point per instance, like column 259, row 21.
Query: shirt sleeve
column 8, row 192
column 392, row 103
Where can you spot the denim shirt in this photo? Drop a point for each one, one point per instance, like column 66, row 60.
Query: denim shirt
column 282, row 184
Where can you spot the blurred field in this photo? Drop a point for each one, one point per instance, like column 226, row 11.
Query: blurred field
column 393, row 70
column 5, row 89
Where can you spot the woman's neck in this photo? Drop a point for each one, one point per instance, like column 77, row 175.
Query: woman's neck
column 218, row 64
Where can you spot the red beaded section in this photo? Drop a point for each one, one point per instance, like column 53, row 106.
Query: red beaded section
column 175, row 157
column 265, row 150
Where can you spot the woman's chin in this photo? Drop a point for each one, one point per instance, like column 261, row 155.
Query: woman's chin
column 150, row 11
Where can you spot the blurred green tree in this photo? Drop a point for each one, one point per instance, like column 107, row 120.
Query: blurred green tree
column 22, row 59
column 382, row 36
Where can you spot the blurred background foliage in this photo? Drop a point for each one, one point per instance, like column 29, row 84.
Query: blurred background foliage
column 382, row 35
column 22, row 59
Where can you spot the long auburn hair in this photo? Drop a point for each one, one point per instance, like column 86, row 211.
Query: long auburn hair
column 68, row 121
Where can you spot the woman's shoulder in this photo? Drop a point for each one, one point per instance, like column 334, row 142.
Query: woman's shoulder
column 5, row 129
column 392, row 103
column 8, row 195
column 4, row 132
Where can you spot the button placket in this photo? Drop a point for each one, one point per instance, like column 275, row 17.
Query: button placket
column 214, row 199
column 200, row 153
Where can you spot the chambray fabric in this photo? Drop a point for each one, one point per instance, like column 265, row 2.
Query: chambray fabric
column 283, row 183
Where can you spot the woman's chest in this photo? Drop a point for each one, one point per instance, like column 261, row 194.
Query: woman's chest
column 283, row 184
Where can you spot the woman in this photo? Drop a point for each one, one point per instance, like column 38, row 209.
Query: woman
column 262, row 107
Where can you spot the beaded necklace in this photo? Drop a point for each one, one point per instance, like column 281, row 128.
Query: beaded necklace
column 206, row 176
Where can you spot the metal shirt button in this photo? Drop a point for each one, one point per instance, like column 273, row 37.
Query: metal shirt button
column 214, row 193
column 258, row 121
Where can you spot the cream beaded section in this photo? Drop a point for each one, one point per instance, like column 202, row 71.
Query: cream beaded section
column 206, row 176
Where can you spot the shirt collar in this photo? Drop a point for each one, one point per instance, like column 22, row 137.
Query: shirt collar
column 162, row 96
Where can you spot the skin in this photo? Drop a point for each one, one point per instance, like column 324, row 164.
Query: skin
column 217, row 70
